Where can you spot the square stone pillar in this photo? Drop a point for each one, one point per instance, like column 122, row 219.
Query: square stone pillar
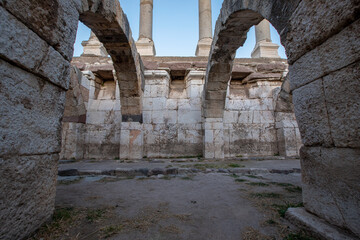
column 213, row 138
column 131, row 140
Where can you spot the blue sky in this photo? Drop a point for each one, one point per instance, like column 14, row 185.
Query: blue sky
column 175, row 28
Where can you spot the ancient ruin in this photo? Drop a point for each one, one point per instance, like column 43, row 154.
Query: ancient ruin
column 119, row 101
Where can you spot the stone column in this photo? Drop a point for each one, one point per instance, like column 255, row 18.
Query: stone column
column 94, row 47
column 145, row 44
column 205, row 29
column 264, row 48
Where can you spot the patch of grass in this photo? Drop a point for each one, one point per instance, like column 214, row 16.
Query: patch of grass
column 170, row 229
column 145, row 157
column 283, row 208
column 235, row 165
column 68, row 182
column 297, row 236
column 294, row 189
column 265, row 195
column 258, row 184
column 240, row 180
column 63, row 214
column 253, row 176
column 111, row 230
column 187, row 178
column 282, row 184
column 117, row 158
column 166, row 177
column 93, row 215
column 276, row 154
column 234, row 175
column 169, row 166
column 240, row 156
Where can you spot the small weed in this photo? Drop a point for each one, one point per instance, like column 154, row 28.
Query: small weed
column 145, row 157
column 94, row 214
column 294, row 189
column 63, row 214
column 271, row 222
column 265, row 195
column 117, row 158
column 297, row 236
column 111, row 230
column 276, row 154
column 169, row 166
column 240, row 180
column 283, row 208
column 240, row 156
column 258, row 184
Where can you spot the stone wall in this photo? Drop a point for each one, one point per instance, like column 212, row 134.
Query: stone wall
column 172, row 123
column 34, row 76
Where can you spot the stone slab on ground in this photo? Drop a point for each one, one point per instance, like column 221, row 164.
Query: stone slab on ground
column 315, row 226
column 167, row 167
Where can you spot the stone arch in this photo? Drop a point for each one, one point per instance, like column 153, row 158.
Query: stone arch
column 36, row 48
column 323, row 49
column 109, row 23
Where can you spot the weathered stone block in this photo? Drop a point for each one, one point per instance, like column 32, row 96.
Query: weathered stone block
column 342, row 94
column 334, row 54
column 330, row 185
column 63, row 16
column 311, row 114
column 40, row 105
column 22, row 46
column 312, row 23
column 28, row 187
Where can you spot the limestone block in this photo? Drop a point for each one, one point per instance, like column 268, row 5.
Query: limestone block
column 31, row 111
column 331, row 185
column 311, row 114
column 171, row 104
column 24, row 47
column 147, row 116
column 186, row 116
column 147, row 91
column 326, row 19
column 184, row 104
column 208, row 144
column 36, row 15
column 131, row 141
column 171, row 116
column 28, row 187
column 73, row 140
column 159, row 91
column 263, row 117
column 245, row 117
column 230, row 116
column 124, row 144
column 158, row 116
column 107, row 105
column 342, row 94
column 334, row 54
column 96, row 117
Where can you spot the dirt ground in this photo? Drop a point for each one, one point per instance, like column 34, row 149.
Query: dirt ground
column 211, row 206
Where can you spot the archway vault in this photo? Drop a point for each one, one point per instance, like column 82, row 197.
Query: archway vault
column 323, row 50
column 109, row 23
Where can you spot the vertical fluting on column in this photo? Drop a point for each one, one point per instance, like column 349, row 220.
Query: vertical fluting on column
column 145, row 44
column 205, row 28
column 264, row 48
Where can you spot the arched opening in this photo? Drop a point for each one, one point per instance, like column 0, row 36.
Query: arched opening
column 313, row 97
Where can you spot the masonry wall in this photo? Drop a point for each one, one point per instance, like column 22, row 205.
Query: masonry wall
column 34, row 76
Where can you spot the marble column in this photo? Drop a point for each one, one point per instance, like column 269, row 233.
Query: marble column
column 93, row 47
column 145, row 44
column 205, row 29
column 264, row 48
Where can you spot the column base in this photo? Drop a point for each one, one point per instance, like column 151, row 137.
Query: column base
column 94, row 47
column 145, row 47
column 265, row 49
column 203, row 47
